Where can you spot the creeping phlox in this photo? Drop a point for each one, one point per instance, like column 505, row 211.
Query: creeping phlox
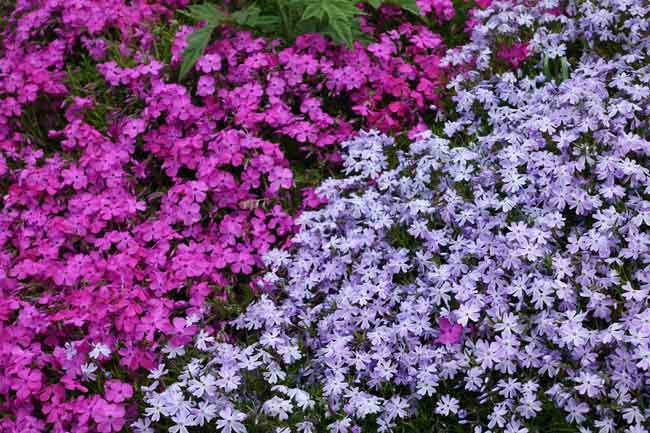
column 492, row 277
column 70, row 284
column 131, row 201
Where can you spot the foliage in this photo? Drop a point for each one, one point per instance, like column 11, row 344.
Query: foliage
column 338, row 19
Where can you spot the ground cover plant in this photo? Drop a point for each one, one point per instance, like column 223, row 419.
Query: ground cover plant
column 490, row 276
column 135, row 204
column 476, row 263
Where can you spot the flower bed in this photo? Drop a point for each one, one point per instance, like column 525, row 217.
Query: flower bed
column 489, row 276
column 134, row 206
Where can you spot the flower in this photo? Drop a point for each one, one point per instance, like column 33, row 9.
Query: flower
column 231, row 421
column 116, row 391
column 99, row 350
column 447, row 405
column 449, row 334
column 109, row 417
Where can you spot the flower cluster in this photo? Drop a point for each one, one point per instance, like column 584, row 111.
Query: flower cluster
column 492, row 276
column 67, row 200
column 315, row 93
column 133, row 201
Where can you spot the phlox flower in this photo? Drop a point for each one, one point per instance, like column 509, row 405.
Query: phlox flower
column 230, row 421
column 449, row 333
column 108, row 416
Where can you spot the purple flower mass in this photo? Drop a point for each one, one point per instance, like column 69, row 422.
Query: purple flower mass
column 443, row 228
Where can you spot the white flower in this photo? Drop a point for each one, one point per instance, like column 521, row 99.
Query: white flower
column 70, row 351
column 637, row 428
column 229, row 379
column 172, row 351
column 341, row 426
column 206, row 412
column 305, row 427
column 231, row 421
column 192, row 319
column 158, row 372
column 203, row 340
column 468, row 312
column 142, row 426
column 182, row 420
column 204, row 385
column 155, row 409
column 88, row 371
column 278, row 407
column 99, row 349
column 447, row 405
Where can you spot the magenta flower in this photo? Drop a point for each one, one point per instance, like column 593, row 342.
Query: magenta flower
column 514, row 54
column 117, row 391
column 109, row 417
column 449, row 333
column 31, row 381
column 280, row 178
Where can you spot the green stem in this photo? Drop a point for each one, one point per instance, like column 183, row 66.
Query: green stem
column 285, row 21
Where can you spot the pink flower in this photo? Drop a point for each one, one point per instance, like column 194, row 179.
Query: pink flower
column 243, row 262
column 205, row 86
column 311, row 199
column 449, row 333
column 443, row 9
column 280, row 178
column 116, row 391
column 3, row 165
column 514, row 54
column 209, row 63
column 109, row 417
column 30, row 382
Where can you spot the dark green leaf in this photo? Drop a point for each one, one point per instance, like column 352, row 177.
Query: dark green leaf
column 247, row 16
column 196, row 44
column 341, row 31
column 565, row 69
column 408, row 5
column 267, row 21
column 206, row 12
column 309, row 26
column 341, row 9
column 547, row 68
column 313, row 10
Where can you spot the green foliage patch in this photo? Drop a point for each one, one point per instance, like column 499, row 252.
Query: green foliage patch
column 287, row 19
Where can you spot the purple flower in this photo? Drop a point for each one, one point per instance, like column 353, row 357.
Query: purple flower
column 449, row 333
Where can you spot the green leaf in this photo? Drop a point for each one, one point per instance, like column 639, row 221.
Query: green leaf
column 565, row 69
column 247, row 16
column 547, row 67
column 309, row 26
column 408, row 5
column 206, row 12
column 341, row 9
column 196, row 44
column 313, row 10
column 342, row 31
column 267, row 21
